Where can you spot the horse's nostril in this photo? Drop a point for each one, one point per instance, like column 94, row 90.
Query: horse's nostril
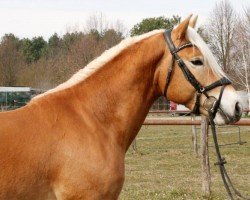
column 238, row 109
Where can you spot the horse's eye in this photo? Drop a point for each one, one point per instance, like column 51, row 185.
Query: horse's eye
column 197, row 62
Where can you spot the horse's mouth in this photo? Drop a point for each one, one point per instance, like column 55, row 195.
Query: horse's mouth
column 222, row 118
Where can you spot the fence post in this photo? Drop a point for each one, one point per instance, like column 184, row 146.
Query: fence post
column 134, row 146
column 206, row 177
column 194, row 136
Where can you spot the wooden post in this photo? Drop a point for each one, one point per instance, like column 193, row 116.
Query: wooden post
column 194, row 136
column 134, row 147
column 206, row 177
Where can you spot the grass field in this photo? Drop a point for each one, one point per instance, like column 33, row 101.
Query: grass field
column 166, row 167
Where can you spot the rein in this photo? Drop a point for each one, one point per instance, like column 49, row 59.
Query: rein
column 211, row 104
column 221, row 164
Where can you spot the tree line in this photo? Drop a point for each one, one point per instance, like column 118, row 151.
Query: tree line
column 39, row 63
column 44, row 63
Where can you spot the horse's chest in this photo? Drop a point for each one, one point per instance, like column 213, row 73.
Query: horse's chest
column 91, row 172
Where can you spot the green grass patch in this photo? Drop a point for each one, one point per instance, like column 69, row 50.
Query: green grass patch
column 167, row 168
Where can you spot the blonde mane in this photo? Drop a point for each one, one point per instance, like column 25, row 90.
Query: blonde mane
column 99, row 62
column 209, row 58
column 108, row 55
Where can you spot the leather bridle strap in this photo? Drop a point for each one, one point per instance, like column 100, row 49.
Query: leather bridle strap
column 188, row 74
column 221, row 82
column 175, row 57
column 231, row 190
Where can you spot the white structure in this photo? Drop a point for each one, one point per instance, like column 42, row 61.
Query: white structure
column 245, row 98
column 15, row 89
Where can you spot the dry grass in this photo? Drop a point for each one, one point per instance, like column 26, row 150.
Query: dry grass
column 166, row 167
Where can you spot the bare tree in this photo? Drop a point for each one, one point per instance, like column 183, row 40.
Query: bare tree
column 119, row 27
column 242, row 55
column 99, row 22
column 96, row 22
column 220, row 32
column 241, row 59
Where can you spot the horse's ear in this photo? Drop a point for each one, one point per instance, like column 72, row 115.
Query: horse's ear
column 182, row 28
column 192, row 22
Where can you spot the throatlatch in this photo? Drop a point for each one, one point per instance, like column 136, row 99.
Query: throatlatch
column 211, row 104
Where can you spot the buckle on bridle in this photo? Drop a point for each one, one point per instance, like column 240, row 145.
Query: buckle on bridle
column 178, row 60
column 221, row 162
column 202, row 90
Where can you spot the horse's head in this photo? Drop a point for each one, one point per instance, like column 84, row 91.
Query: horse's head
column 188, row 81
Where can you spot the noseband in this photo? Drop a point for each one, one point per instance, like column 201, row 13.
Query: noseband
column 211, row 107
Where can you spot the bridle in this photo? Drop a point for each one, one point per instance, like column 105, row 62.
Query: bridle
column 211, row 104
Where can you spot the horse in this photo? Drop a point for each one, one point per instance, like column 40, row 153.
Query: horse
column 70, row 142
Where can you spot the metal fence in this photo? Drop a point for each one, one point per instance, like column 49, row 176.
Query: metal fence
column 16, row 97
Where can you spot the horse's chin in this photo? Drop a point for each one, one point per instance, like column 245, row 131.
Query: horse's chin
column 223, row 119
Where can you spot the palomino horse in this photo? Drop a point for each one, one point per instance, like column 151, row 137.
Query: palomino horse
column 70, row 142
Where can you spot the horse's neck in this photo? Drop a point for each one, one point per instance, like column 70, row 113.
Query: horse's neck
column 120, row 93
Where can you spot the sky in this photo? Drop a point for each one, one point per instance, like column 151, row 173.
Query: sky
column 30, row 18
